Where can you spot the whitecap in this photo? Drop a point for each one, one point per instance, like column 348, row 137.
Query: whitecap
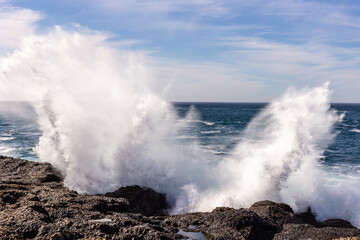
column 210, row 132
column 207, row 123
column 6, row 138
column 4, row 149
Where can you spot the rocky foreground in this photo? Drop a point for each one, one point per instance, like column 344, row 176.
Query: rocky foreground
column 34, row 204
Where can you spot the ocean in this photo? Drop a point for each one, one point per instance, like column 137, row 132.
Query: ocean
column 218, row 130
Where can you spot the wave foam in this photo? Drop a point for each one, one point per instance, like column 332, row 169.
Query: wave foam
column 210, row 132
column 6, row 138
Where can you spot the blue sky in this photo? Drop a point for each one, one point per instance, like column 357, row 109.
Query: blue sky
column 208, row 50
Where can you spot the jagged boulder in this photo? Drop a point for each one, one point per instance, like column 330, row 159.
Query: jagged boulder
column 307, row 231
column 142, row 200
column 14, row 170
column 308, row 217
column 339, row 223
column 276, row 213
column 227, row 223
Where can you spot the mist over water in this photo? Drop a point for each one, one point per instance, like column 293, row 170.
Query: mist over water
column 104, row 127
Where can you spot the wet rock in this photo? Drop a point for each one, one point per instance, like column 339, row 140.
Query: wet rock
column 34, row 204
column 108, row 229
column 11, row 197
column 236, row 224
column 227, row 223
column 142, row 200
column 276, row 213
column 307, row 231
column 339, row 223
column 14, row 170
column 308, row 217
column 105, row 205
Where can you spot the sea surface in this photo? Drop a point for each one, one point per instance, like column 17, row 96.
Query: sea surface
column 218, row 128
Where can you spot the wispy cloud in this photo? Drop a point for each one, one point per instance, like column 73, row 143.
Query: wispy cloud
column 166, row 14
column 199, row 8
column 263, row 46
column 282, row 64
column 221, row 50
column 203, row 81
column 325, row 21
column 334, row 13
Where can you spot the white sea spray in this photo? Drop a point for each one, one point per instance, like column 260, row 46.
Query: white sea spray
column 101, row 124
column 277, row 159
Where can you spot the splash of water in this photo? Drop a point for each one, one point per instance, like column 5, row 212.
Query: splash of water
column 104, row 128
column 101, row 124
column 284, row 139
column 278, row 160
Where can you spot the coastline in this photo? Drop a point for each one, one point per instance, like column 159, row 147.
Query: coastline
column 36, row 205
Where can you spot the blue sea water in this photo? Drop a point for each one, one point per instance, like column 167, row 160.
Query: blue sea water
column 217, row 129
column 19, row 131
column 222, row 124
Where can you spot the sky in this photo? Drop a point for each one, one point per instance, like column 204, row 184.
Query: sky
column 213, row 50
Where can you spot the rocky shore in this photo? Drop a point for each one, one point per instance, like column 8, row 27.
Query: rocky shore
column 34, row 204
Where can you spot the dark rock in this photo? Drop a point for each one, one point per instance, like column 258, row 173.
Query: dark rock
column 276, row 213
column 221, row 209
column 237, row 224
column 307, row 231
column 108, row 229
column 142, row 200
column 339, row 223
column 308, row 217
column 10, row 197
column 105, row 205
column 30, row 234
column 35, row 205
column 21, row 171
column 50, row 177
column 39, row 209
column 227, row 223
